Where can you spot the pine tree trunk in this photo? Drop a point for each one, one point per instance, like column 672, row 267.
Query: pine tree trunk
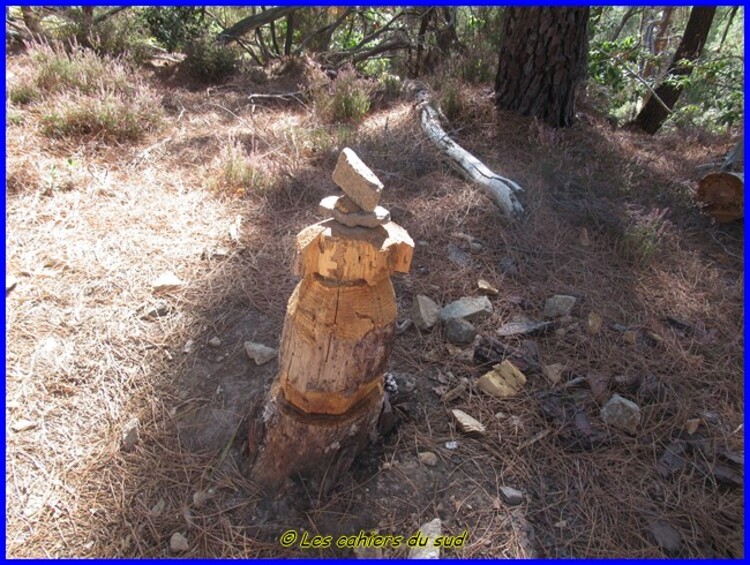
column 542, row 59
column 653, row 114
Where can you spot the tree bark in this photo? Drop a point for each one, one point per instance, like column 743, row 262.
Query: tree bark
column 246, row 25
column 543, row 58
column 289, row 34
column 653, row 114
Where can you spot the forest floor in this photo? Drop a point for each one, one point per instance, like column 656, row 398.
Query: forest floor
column 91, row 346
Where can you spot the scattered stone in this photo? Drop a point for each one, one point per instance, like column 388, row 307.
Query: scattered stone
column 653, row 338
column 553, row 372
column 511, row 496
column 672, row 460
column 467, row 424
column 329, row 208
column 476, row 246
column 458, row 256
column 158, row 508
column 130, row 434
column 486, row 287
column 508, row 266
column 665, row 537
column 599, row 385
column 503, row 381
column 583, row 237
column 691, row 426
column 561, row 524
column 202, row 496
column 10, row 283
column 178, row 543
column 630, row 337
column 357, row 180
column 158, row 310
column 457, row 392
column 593, row 323
column 166, row 281
column 214, row 342
column 468, row 308
column 260, row 353
column 428, row 458
column 431, row 530
column 390, row 383
column 451, row 445
column 346, row 205
column 424, row 312
column 459, row 331
column 188, row 347
column 559, row 305
column 527, row 327
column 622, row 413
column 23, row 425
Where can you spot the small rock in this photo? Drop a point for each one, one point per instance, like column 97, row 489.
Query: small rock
column 458, row 256
column 10, row 283
column 525, row 327
column 451, row 445
column 691, row 426
column 166, row 281
column 357, row 180
column 583, row 238
column 459, row 331
column 202, row 496
column 561, row 524
column 346, row 205
column 467, row 424
column 260, row 353
column 424, row 312
column 428, row 458
column 188, row 347
column 559, row 305
column 23, row 425
column 158, row 508
column 593, row 323
column 468, row 308
column 476, row 246
column 508, row 266
column 503, row 381
column 158, row 310
column 487, row 288
column 665, row 537
column 630, row 337
column 329, row 208
column 178, row 543
column 431, row 530
column 511, row 496
column 621, row 413
column 130, row 434
column 553, row 372
column 214, row 342
column 390, row 385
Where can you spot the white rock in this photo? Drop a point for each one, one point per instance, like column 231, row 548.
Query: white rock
column 424, row 312
column 467, row 424
column 178, row 543
column 553, row 372
column 428, row 458
column 166, row 281
column 431, row 531
column 559, row 305
column 214, row 342
column 468, row 308
column 329, row 208
column 188, row 347
column 357, row 180
column 23, row 425
column 485, row 286
column 130, row 434
column 621, row 413
column 260, row 353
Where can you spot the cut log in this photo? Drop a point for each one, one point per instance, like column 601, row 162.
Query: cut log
column 721, row 196
column 503, row 191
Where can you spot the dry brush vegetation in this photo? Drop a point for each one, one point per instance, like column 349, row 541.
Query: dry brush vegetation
column 117, row 174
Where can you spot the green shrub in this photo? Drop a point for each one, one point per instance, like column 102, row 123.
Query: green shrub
column 452, row 99
column 209, row 61
column 645, row 233
column 22, row 93
column 174, row 27
column 346, row 99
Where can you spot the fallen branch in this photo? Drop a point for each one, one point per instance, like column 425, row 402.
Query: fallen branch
column 503, row 191
column 253, row 22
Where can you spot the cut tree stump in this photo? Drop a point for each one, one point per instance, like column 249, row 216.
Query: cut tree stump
column 721, row 196
column 324, row 405
column 503, row 191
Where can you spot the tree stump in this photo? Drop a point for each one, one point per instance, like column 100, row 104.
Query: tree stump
column 324, row 404
column 722, row 196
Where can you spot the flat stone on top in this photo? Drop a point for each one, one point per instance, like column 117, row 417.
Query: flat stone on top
column 468, row 308
column 329, row 208
column 357, row 180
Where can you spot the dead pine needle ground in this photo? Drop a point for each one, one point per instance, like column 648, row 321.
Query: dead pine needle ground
column 126, row 402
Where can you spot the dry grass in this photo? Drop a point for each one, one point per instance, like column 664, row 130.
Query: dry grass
column 90, row 226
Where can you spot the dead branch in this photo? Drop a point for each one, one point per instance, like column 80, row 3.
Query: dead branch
column 246, row 25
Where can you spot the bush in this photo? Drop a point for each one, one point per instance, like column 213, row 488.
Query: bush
column 238, row 173
column 174, row 27
column 209, row 61
column 345, row 99
column 453, row 102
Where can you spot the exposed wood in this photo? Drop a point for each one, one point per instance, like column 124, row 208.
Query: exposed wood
column 503, row 191
column 338, row 332
column 721, row 196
